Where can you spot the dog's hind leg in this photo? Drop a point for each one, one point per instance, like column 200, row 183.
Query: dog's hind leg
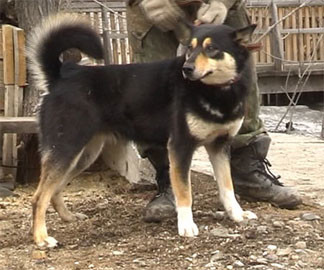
column 50, row 180
column 54, row 177
column 219, row 158
column 88, row 155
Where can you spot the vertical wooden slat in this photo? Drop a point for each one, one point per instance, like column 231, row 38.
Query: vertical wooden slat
column 288, row 38
column 267, row 39
column 276, row 41
column 20, row 57
column 8, row 55
column 294, row 37
column 307, row 36
column 114, row 41
column 106, row 37
column 321, row 24
column 122, row 40
column 314, row 36
column 300, row 37
column 260, row 23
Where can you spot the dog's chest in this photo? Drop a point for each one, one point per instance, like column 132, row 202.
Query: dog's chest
column 206, row 131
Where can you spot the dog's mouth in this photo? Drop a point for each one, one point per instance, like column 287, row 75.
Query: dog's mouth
column 194, row 77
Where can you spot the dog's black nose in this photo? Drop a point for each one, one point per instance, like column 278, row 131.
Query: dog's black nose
column 188, row 69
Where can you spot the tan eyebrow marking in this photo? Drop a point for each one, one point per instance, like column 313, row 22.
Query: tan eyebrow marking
column 206, row 42
column 194, row 43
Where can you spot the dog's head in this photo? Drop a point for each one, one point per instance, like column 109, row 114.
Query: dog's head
column 216, row 55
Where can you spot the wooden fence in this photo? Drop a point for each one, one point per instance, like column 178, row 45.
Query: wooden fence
column 109, row 20
column 296, row 42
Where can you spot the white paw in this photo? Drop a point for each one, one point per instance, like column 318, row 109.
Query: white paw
column 49, row 242
column 236, row 214
column 188, row 230
column 186, row 225
column 249, row 215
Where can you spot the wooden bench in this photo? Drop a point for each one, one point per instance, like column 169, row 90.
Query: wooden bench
column 13, row 125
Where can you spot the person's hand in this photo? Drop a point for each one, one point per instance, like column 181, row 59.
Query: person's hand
column 214, row 12
column 164, row 14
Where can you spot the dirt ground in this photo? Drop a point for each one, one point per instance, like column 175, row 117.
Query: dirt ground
column 115, row 237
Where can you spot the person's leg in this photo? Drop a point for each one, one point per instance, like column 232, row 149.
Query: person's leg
column 150, row 44
column 252, row 178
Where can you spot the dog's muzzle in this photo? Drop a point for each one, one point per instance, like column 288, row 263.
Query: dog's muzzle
column 187, row 70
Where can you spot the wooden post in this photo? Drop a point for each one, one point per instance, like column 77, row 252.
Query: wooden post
column 105, row 35
column 276, row 41
column 322, row 133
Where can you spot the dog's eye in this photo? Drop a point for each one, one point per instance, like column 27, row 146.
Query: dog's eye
column 213, row 52
column 189, row 50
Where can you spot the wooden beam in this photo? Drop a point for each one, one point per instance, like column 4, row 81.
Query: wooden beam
column 276, row 40
column 8, row 54
column 106, row 37
column 18, row 125
column 20, row 57
column 282, row 3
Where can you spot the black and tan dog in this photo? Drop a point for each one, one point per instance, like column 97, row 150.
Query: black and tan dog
column 177, row 104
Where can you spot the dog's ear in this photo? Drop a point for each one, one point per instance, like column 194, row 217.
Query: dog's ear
column 243, row 36
column 183, row 32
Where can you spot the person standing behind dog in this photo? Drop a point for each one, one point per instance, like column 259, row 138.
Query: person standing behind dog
column 151, row 25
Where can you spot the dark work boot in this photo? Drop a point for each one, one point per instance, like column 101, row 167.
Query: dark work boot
column 254, row 181
column 162, row 206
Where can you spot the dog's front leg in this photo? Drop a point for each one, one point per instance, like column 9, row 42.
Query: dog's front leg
column 180, row 155
column 220, row 160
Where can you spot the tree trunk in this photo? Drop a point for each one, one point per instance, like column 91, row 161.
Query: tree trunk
column 30, row 13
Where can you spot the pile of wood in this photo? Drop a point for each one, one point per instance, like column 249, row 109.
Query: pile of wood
column 12, row 82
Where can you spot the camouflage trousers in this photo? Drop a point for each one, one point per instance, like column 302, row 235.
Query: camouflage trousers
column 150, row 44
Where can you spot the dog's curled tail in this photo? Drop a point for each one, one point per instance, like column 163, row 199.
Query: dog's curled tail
column 53, row 36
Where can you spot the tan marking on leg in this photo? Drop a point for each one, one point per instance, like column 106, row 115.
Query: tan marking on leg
column 181, row 187
column 46, row 189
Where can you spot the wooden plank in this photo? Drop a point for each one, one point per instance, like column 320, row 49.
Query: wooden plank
column 307, row 36
column 1, row 50
column 276, row 41
column 318, row 30
column 113, row 41
column 300, row 37
column 1, row 86
column 18, row 125
column 122, row 29
column 314, row 36
column 106, row 37
column 261, row 25
column 20, row 57
column 8, row 54
column 282, row 3
column 288, row 40
column 267, row 38
column 93, row 6
column 321, row 25
column 294, row 38
column 9, row 140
